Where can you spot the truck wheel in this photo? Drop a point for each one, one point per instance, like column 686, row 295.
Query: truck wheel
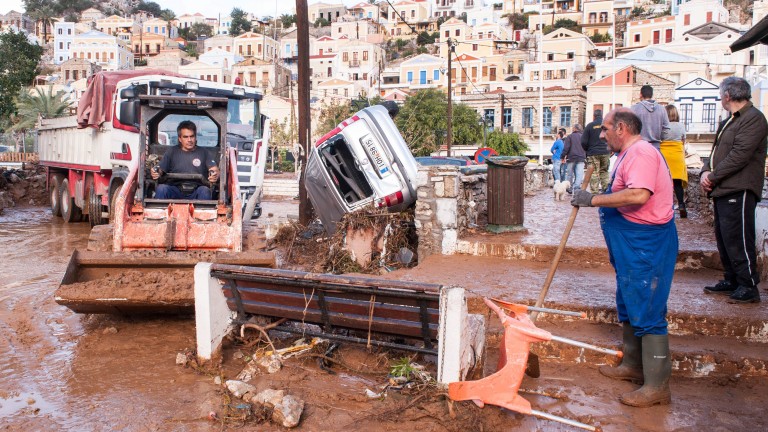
column 94, row 208
column 112, row 202
column 69, row 211
column 55, row 191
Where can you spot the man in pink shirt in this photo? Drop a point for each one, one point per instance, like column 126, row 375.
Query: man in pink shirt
column 636, row 217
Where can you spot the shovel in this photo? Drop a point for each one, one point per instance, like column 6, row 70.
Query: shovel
column 533, row 369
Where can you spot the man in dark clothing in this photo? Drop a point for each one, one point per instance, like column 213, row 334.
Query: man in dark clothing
column 734, row 180
column 186, row 158
column 575, row 157
column 652, row 115
column 598, row 156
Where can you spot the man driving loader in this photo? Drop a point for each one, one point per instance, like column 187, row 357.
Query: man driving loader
column 186, row 158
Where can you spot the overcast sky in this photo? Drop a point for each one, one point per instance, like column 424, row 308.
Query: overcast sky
column 212, row 9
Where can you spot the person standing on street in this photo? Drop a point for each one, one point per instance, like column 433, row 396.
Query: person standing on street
column 652, row 115
column 575, row 156
column 638, row 224
column 673, row 150
column 734, row 179
column 598, row 156
column 557, row 153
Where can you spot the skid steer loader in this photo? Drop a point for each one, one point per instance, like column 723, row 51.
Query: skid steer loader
column 142, row 261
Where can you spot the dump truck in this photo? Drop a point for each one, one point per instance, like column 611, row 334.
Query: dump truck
column 141, row 261
column 87, row 156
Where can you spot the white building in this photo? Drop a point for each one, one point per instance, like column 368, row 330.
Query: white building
column 104, row 50
column 63, row 35
column 693, row 13
column 219, row 57
column 698, row 103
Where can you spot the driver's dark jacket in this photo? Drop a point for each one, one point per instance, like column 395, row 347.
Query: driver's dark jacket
column 178, row 161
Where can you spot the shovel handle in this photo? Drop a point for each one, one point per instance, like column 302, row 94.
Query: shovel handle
column 567, row 341
column 560, row 248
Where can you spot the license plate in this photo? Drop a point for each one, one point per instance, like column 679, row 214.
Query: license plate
column 377, row 157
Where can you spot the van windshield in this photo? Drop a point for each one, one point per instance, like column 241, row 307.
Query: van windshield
column 241, row 115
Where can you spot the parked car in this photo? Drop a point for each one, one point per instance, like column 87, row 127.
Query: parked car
column 4, row 148
column 443, row 160
column 363, row 161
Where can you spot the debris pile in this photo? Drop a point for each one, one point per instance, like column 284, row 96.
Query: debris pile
column 22, row 187
column 368, row 241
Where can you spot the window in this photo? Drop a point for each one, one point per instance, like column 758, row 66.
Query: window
column 474, row 47
column 365, row 55
column 489, row 116
column 409, row 76
column 436, row 75
column 562, row 74
column 61, row 45
column 571, row 55
column 547, row 120
column 447, row 33
column 668, row 35
column 344, row 57
column 548, row 74
column 527, row 117
column 288, row 49
column 656, row 36
column 687, row 19
column 709, row 16
column 507, row 114
column 458, row 32
column 550, row 57
column 565, row 116
column 686, row 114
column 708, row 114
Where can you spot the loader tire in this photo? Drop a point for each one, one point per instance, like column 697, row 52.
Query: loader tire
column 100, row 239
column 254, row 239
column 70, row 212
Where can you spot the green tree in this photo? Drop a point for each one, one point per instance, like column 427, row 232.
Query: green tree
column 423, row 116
column 636, row 12
column 199, row 30
column 284, row 135
column 240, row 22
column 18, row 66
column 191, row 49
column 150, row 7
column 44, row 16
column 601, row 37
column 517, row 21
column 507, row 144
column 331, row 115
column 322, row 22
column 288, row 20
column 426, row 38
column 168, row 15
column 563, row 23
column 29, row 107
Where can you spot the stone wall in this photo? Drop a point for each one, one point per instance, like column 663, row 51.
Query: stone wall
column 449, row 202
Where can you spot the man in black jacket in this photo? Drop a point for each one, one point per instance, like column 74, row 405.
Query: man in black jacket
column 575, row 157
column 734, row 180
column 598, row 156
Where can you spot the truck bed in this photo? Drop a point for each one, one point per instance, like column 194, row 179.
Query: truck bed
column 60, row 143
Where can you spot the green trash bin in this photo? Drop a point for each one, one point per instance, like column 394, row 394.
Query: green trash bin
column 506, row 192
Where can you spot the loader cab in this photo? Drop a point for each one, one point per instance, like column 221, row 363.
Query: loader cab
column 160, row 117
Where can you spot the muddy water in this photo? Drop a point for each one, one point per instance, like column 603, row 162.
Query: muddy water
column 61, row 371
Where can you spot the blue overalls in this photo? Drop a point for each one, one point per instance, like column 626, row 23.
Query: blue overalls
column 644, row 258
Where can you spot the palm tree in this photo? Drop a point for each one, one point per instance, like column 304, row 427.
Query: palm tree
column 39, row 104
column 168, row 15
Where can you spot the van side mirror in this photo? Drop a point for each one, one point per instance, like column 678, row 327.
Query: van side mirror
column 128, row 93
column 129, row 112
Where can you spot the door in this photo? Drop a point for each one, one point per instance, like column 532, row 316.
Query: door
column 422, row 77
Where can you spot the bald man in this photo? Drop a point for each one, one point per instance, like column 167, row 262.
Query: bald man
column 636, row 217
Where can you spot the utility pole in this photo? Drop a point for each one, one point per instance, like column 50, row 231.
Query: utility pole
column 302, row 40
column 503, row 120
column 449, row 136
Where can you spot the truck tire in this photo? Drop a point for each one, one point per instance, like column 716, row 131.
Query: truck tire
column 94, row 208
column 69, row 211
column 100, row 239
column 55, row 195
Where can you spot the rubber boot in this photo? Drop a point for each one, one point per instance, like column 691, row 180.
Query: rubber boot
column 657, row 367
column 631, row 367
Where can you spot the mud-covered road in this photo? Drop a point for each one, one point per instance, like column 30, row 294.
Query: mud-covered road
column 62, row 371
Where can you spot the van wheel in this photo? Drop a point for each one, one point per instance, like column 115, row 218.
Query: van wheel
column 55, row 195
column 69, row 211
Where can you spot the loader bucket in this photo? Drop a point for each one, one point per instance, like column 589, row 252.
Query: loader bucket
column 140, row 283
